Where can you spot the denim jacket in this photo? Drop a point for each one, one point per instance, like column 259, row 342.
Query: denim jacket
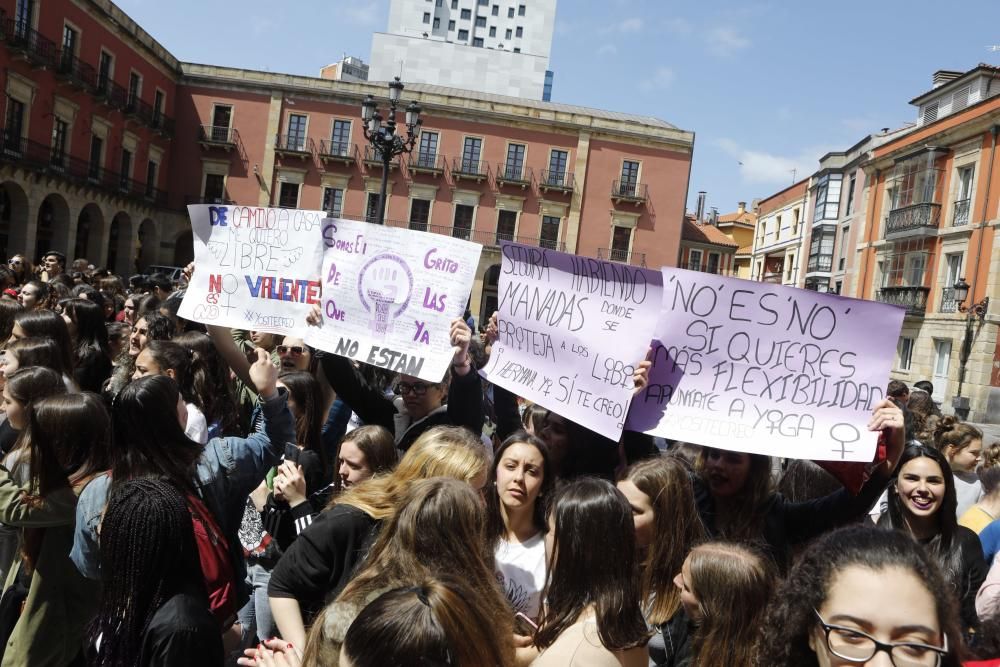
column 228, row 470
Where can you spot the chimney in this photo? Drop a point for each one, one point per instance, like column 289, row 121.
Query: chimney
column 713, row 219
column 943, row 76
column 700, row 213
column 755, row 205
column 741, row 208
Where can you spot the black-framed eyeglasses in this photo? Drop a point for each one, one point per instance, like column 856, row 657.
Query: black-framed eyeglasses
column 295, row 350
column 417, row 388
column 855, row 646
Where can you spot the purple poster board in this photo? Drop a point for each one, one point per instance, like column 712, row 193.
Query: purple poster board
column 571, row 331
column 762, row 368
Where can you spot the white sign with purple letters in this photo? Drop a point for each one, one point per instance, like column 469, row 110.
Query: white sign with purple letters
column 390, row 294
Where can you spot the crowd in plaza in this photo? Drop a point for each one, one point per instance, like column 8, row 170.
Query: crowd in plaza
column 176, row 494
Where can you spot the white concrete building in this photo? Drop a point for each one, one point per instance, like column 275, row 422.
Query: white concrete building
column 491, row 46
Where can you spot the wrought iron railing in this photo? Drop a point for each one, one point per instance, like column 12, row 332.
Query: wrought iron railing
column 218, row 134
column 469, row 168
column 914, row 299
column 36, row 47
column 948, row 304
column 960, row 214
column 337, row 149
column 913, row 217
column 488, row 238
column 76, row 71
column 563, row 181
column 629, row 190
column 429, row 162
column 513, row 173
column 292, row 143
column 623, row 256
column 373, row 157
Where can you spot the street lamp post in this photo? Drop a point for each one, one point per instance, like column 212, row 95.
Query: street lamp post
column 385, row 142
column 972, row 313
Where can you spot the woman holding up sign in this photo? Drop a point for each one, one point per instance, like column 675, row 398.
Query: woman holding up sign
column 736, row 502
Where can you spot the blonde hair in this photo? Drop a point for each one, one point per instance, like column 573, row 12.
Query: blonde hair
column 442, row 451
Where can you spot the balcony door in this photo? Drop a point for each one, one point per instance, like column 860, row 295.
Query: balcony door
column 942, row 363
column 222, row 116
column 913, row 272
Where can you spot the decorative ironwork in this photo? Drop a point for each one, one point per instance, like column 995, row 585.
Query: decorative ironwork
column 913, row 217
column 960, row 214
column 293, row 144
column 513, row 175
column 475, row 170
column 948, row 304
column 338, row 151
column 914, row 299
column 426, row 163
column 218, row 136
column 557, row 181
column 622, row 256
column 629, row 191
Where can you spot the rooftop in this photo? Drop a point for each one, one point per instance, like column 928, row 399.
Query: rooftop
column 708, row 234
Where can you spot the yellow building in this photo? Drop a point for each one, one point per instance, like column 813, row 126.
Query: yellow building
column 739, row 227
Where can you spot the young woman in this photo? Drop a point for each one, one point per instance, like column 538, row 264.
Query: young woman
column 922, row 505
column 438, row 531
column 667, row 526
column 533, row 419
column 857, row 594
column 520, row 481
column 21, row 268
column 986, row 511
column 724, row 589
column 66, row 444
column 593, row 605
column 118, row 333
column 164, row 357
column 36, row 295
column 151, row 326
column 91, row 353
column 154, row 607
column 45, row 324
column 962, row 445
column 8, row 311
column 211, row 384
column 322, row 559
column 735, row 500
column 148, row 426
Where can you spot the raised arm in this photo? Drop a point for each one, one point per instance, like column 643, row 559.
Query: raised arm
column 226, row 346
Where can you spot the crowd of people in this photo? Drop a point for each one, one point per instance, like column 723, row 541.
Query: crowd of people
column 175, row 494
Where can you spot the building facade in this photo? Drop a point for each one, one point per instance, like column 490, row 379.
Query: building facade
column 108, row 137
column 705, row 248
column 88, row 129
column 490, row 46
column 739, row 226
column 485, row 168
column 930, row 222
column 778, row 241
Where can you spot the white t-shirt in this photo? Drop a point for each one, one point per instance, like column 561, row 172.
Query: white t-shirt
column 521, row 572
column 197, row 427
column 968, row 490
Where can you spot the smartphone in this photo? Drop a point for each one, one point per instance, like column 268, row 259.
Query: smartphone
column 523, row 625
column 292, row 454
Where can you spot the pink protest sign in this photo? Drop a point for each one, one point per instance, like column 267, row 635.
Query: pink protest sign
column 571, row 331
column 767, row 369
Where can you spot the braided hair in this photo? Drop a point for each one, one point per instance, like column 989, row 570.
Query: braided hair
column 148, row 554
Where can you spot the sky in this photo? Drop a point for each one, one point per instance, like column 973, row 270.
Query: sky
column 767, row 87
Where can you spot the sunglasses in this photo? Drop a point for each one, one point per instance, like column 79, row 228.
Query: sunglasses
column 417, row 388
column 295, row 350
column 14, row 262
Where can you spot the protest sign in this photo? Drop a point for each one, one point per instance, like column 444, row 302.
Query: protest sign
column 571, row 330
column 390, row 294
column 255, row 268
column 767, row 369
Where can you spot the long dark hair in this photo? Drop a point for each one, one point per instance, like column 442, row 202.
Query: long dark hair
column 594, row 563
column 746, row 521
column 147, row 438
column 66, row 441
column 790, row 619
column 37, row 351
column 943, row 545
column 31, row 384
column 169, row 355
column 8, row 311
column 46, row 295
column 305, row 391
column 210, row 380
column 49, row 324
column 495, row 527
column 148, row 554
column 91, row 332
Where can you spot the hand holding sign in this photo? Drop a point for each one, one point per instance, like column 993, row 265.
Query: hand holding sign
column 461, row 337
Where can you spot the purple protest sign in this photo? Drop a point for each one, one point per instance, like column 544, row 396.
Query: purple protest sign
column 571, row 330
column 767, row 369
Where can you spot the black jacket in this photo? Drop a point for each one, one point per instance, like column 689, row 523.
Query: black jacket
column 786, row 523
column 322, row 560
column 465, row 401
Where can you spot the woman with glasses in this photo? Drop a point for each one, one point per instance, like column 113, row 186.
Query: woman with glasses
column 922, row 502
column 21, row 268
column 862, row 596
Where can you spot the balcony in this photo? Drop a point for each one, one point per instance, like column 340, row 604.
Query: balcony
column 426, row 163
column 819, row 264
column 775, row 278
column 913, row 220
column 948, row 304
column 373, row 158
column 557, row 181
column 45, row 160
column 914, row 299
column 629, row 192
column 76, row 72
column 470, row 170
column 513, row 175
column 293, row 145
column 218, row 136
column 338, row 152
column 29, row 44
column 622, row 256
column 960, row 214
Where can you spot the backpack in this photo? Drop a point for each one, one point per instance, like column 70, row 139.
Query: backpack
column 216, row 566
